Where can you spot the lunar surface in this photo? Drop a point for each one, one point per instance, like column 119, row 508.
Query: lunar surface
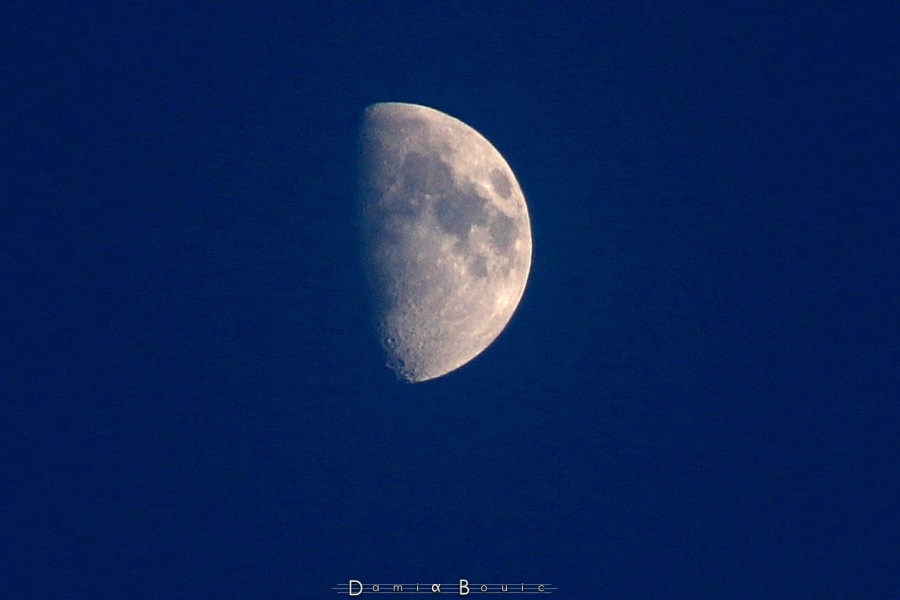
column 446, row 238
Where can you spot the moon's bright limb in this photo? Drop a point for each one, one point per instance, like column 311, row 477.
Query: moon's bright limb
column 447, row 238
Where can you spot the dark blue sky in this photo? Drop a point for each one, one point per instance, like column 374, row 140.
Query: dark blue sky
column 696, row 398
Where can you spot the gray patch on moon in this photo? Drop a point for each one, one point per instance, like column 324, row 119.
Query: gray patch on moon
column 500, row 183
column 503, row 231
column 426, row 174
column 479, row 265
column 457, row 213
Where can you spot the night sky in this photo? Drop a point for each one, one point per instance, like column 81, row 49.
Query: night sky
column 697, row 397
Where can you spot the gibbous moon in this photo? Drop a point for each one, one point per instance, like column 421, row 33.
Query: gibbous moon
column 446, row 238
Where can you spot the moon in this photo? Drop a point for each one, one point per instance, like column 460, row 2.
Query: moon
column 446, row 238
